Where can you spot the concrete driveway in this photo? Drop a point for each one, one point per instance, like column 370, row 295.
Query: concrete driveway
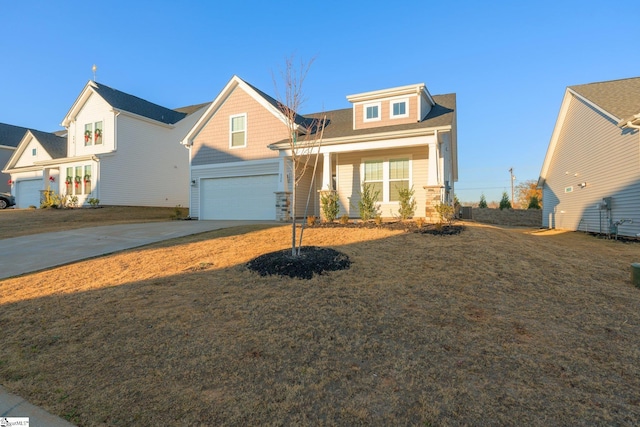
column 27, row 254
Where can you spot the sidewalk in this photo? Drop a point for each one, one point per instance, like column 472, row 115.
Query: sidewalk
column 15, row 406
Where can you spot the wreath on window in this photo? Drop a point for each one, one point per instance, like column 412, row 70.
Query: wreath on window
column 87, row 178
column 10, row 182
column 69, row 180
column 98, row 134
column 87, row 135
column 52, row 178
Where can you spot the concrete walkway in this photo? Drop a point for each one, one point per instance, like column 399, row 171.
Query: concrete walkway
column 14, row 406
column 27, row 254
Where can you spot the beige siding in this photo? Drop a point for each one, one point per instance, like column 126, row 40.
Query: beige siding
column 385, row 119
column 211, row 145
column 5, row 155
column 94, row 110
column 592, row 149
column 349, row 179
column 27, row 158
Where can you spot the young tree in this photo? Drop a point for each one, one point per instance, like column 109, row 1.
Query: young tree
column 534, row 203
column 304, row 134
column 504, row 202
column 483, row 202
column 525, row 192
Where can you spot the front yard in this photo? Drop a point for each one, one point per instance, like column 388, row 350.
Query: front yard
column 489, row 327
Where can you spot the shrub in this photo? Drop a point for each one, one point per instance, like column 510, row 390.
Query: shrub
column 177, row 213
column 344, row 219
column 93, row 202
column 367, row 203
column 330, row 206
column 51, row 199
column 311, row 220
column 378, row 219
column 534, row 203
column 407, row 203
column 419, row 222
column 483, row 202
column 504, row 202
column 446, row 213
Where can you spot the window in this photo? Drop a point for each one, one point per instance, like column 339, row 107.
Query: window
column 388, row 176
column 86, row 179
column 373, row 177
column 399, row 108
column 372, row 112
column 78, row 180
column 88, row 134
column 69, row 181
column 398, row 178
column 34, row 151
column 238, row 131
column 97, row 133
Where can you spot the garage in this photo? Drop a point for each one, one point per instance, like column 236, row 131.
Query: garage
column 242, row 198
column 27, row 193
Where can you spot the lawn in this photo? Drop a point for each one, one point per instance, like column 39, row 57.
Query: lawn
column 493, row 326
column 21, row 222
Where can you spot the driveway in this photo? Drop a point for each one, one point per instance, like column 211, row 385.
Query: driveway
column 20, row 255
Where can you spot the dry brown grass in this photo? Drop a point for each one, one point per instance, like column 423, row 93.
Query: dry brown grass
column 22, row 222
column 490, row 327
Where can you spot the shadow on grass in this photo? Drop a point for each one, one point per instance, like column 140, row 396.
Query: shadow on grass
column 409, row 335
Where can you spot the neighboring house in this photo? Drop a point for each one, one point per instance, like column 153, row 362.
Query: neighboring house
column 591, row 173
column 119, row 149
column 396, row 138
column 27, row 175
column 10, row 137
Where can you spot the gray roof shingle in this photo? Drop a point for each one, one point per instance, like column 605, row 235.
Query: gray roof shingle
column 11, row 135
column 340, row 122
column 139, row 106
column 53, row 144
column 618, row 97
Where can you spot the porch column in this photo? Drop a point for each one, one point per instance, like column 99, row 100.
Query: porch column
column 433, row 177
column 326, row 172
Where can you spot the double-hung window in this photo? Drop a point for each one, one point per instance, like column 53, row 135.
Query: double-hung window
column 374, row 177
column 399, row 108
column 387, row 177
column 398, row 178
column 93, row 133
column 238, row 131
column 371, row 112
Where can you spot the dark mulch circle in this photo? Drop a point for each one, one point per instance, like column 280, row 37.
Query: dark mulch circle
column 445, row 230
column 312, row 259
column 407, row 226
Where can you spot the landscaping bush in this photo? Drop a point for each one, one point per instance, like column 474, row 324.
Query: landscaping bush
column 330, row 206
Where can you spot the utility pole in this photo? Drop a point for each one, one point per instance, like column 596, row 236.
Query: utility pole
column 513, row 178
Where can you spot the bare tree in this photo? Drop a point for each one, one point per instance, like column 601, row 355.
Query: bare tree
column 304, row 134
column 525, row 191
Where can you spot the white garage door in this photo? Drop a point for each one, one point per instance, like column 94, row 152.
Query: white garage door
column 246, row 197
column 28, row 193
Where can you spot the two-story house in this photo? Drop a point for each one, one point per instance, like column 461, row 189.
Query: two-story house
column 395, row 138
column 120, row 149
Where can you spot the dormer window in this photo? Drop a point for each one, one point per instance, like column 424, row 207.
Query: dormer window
column 399, row 108
column 372, row 112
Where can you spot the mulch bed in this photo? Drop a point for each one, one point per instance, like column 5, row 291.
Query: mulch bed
column 317, row 260
column 312, row 259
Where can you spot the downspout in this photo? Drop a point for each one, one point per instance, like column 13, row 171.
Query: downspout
column 191, row 181
column 437, row 154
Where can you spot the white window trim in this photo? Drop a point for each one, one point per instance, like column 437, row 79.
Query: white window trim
column 385, row 174
column 231, row 131
column 372, row 104
column 397, row 101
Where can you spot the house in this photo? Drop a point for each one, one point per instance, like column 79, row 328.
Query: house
column 120, row 149
column 591, row 173
column 10, row 137
column 401, row 137
column 26, row 174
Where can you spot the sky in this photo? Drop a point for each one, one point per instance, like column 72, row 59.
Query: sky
column 508, row 62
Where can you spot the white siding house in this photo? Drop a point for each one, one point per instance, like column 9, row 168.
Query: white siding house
column 591, row 173
column 119, row 149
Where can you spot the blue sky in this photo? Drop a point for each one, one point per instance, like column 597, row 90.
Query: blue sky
column 508, row 62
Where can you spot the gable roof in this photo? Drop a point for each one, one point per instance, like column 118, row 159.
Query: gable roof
column 617, row 99
column 11, row 135
column 133, row 104
column 54, row 145
column 269, row 103
column 125, row 102
column 620, row 98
